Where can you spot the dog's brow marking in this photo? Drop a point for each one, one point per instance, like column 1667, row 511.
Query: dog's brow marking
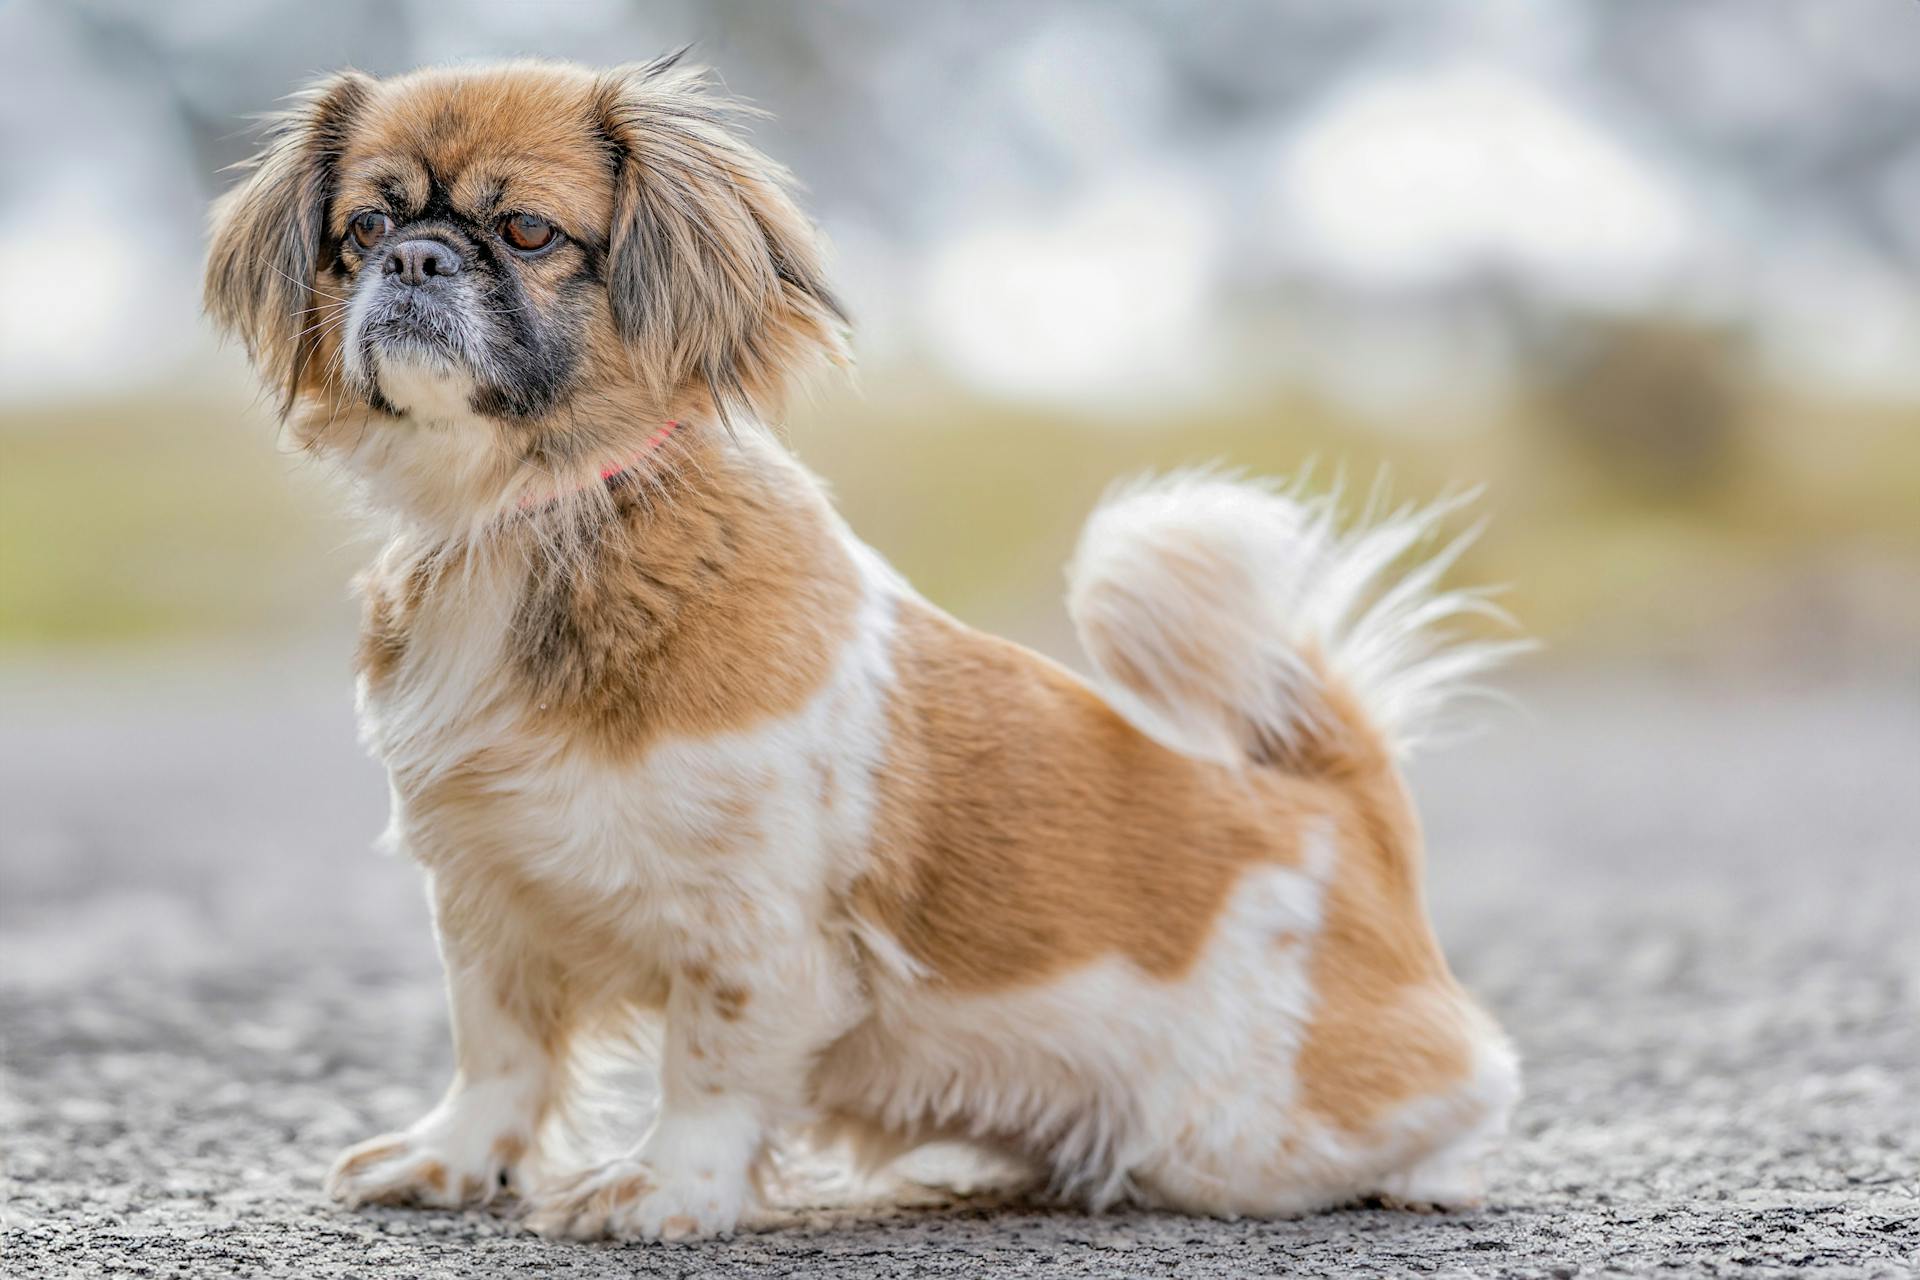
column 493, row 198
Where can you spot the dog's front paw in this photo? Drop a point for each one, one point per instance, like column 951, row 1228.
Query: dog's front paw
column 417, row 1169
column 628, row 1200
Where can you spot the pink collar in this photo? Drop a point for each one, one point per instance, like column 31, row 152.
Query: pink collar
column 614, row 473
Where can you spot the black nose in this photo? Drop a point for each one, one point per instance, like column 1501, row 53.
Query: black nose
column 415, row 260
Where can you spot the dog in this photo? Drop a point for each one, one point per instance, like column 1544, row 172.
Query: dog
column 674, row 748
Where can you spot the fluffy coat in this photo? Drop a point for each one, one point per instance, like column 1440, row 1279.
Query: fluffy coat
column 675, row 746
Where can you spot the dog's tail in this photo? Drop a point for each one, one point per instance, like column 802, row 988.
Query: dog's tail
column 1242, row 622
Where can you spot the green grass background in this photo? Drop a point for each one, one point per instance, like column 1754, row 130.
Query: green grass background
column 179, row 519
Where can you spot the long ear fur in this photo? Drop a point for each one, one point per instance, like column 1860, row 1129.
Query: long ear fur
column 714, row 272
column 267, row 232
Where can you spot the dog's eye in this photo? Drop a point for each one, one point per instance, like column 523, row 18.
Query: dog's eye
column 526, row 232
column 368, row 227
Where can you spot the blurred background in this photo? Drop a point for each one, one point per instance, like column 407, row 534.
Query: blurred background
column 1644, row 269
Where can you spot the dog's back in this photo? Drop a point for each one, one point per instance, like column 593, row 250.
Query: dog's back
column 1167, row 936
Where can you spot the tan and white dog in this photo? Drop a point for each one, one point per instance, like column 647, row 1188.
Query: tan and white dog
column 671, row 743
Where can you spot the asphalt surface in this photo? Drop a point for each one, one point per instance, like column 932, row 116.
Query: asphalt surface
column 1694, row 906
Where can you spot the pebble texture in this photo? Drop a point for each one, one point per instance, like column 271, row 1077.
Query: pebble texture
column 1695, row 909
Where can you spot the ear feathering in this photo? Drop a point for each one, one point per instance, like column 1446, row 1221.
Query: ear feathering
column 268, row 232
column 714, row 272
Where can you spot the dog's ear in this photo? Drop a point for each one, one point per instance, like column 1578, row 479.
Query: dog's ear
column 714, row 273
column 268, row 231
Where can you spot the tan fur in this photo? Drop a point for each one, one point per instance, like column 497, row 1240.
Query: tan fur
column 518, row 140
column 1392, row 1023
column 560, row 962
column 1025, row 830
column 695, row 289
column 267, row 236
column 708, row 606
column 372, row 1155
column 731, row 1001
column 1022, row 830
column 715, row 298
column 390, row 601
column 628, row 1189
column 720, row 603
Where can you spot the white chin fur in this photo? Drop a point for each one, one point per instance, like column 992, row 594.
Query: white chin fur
column 449, row 479
column 425, row 386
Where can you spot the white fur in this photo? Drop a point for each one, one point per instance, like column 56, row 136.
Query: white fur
column 1168, row 1092
column 495, row 1096
column 441, row 473
column 431, row 392
column 1105, row 1065
column 1451, row 1173
column 1175, row 1093
column 1218, row 595
column 639, row 833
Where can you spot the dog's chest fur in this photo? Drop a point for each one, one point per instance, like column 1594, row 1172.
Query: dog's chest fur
column 545, row 741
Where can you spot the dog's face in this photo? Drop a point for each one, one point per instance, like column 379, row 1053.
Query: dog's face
column 532, row 246
column 468, row 235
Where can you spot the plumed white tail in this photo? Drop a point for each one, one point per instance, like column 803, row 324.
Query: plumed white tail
column 1238, row 620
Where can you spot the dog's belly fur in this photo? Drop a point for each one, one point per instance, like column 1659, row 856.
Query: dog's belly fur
column 739, row 857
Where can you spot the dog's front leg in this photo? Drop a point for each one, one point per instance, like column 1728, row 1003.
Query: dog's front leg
column 507, row 1013
column 740, row 1038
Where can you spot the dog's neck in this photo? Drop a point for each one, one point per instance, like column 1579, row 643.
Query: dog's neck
column 631, row 470
column 683, row 600
column 445, row 474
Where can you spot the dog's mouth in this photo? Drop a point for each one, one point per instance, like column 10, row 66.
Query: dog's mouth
column 413, row 352
column 415, row 355
column 412, row 326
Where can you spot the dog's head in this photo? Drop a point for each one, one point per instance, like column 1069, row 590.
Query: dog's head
column 528, row 246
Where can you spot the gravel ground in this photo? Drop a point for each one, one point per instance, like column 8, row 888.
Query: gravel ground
column 1693, row 906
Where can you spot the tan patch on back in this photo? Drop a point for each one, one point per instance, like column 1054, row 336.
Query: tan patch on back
column 1024, row 828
